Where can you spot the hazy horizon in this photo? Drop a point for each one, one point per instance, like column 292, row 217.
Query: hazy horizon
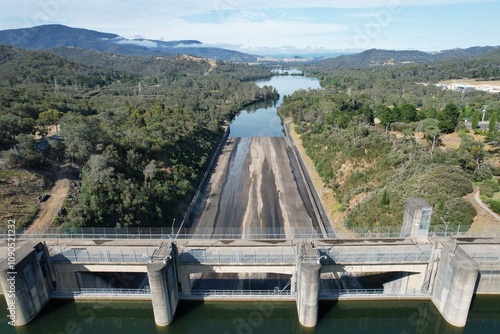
column 277, row 27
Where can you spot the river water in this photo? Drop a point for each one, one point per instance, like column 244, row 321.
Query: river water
column 398, row 317
column 261, row 119
column 384, row 317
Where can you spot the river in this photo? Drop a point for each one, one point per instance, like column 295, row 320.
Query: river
column 374, row 317
column 398, row 317
column 261, row 119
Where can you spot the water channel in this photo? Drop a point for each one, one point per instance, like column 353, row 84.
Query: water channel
column 261, row 119
column 398, row 317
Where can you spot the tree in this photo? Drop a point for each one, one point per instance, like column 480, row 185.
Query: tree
column 431, row 130
column 492, row 126
column 388, row 117
column 448, row 118
column 384, row 201
column 475, row 119
column 149, row 171
column 408, row 113
column 80, row 135
column 25, row 153
column 474, row 153
column 12, row 125
column 98, row 170
column 50, row 117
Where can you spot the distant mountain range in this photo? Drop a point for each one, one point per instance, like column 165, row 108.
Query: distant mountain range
column 62, row 40
column 47, row 37
column 376, row 57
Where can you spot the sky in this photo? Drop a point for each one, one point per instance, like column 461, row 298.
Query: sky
column 274, row 27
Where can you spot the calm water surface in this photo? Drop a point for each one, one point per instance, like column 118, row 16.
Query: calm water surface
column 261, row 119
column 374, row 317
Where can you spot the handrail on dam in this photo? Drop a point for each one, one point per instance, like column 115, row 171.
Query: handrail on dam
column 237, row 293
column 486, row 257
column 375, row 256
column 370, row 293
column 102, row 292
column 103, row 255
column 388, row 232
column 276, row 293
column 250, row 256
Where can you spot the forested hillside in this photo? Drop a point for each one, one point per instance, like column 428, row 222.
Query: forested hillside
column 377, row 57
column 46, row 37
column 374, row 136
column 137, row 130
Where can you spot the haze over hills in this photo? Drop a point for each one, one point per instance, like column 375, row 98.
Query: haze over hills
column 65, row 41
column 46, row 37
column 376, row 57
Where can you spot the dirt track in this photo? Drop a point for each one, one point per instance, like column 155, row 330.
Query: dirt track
column 50, row 207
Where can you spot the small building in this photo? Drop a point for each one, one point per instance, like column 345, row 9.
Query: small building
column 417, row 219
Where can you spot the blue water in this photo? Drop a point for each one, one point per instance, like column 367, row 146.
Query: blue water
column 261, row 119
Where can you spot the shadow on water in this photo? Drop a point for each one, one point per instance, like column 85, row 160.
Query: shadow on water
column 338, row 317
column 325, row 309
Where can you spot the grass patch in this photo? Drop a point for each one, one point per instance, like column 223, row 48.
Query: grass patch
column 19, row 191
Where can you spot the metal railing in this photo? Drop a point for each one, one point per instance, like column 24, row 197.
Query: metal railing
column 162, row 233
column 375, row 256
column 237, row 293
column 248, row 256
column 486, row 257
column 390, row 232
column 59, row 255
column 276, row 293
column 103, row 292
column 370, row 293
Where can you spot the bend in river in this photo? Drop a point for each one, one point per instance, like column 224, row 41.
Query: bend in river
column 256, row 186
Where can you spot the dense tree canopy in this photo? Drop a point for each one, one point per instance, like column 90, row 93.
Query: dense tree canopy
column 371, row 170
column 140, row 130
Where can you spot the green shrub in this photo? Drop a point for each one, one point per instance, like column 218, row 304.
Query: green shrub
column 489, row 188
column 495, row 206
column 484, row 173
column 459, row 211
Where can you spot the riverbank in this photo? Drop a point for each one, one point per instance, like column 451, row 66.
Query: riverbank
column 326, row 194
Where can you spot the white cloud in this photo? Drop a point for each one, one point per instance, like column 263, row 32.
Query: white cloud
column 248, row 25
column 139, row 42
column 257, row 34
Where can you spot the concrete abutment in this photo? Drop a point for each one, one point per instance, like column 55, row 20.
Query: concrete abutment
column 27, row 283
column 454, row 283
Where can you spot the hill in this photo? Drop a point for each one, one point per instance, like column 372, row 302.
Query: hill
column 376, row 57
column 474, row 51
column 54, row 36
column 19, row 66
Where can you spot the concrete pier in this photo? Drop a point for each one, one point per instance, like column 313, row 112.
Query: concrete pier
column 308, row 294
column 454, row 284
column 162, row 277
column 308, row 283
